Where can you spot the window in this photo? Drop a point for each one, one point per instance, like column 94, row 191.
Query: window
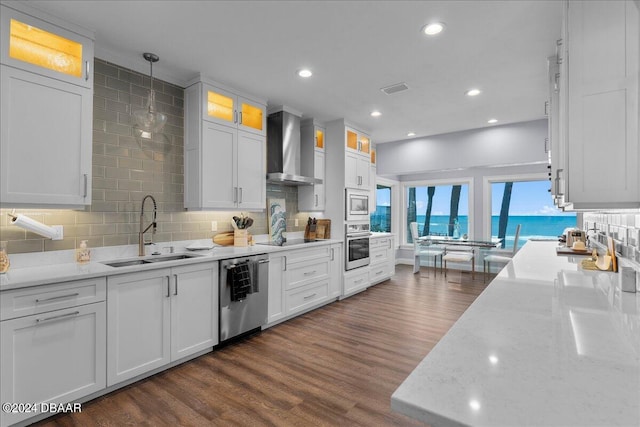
column 529, row 204
column 381, row 217
column 439, row 210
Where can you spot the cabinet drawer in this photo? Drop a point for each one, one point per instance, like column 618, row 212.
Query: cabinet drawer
column 381, row 242
column 307, row 296
column 356, row 282
column 40, row 299
column 378, row 255
column 378, row 273
column 302, row 273
column 311, row 254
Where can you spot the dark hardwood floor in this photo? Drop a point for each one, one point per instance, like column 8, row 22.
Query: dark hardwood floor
column 335, row 366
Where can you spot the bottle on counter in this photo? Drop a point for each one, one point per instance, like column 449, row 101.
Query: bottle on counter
column 4, row 258
column 83, row 253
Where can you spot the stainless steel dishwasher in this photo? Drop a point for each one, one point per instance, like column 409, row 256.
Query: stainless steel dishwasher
column 246, row 311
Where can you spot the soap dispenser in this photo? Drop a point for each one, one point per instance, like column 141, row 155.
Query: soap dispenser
column 83, row 253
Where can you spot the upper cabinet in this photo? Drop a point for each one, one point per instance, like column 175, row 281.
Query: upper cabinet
column 224, row 150
column 226, row 108
column 599, row 105
column 357, row 159
column 46, row 115
column 312, row 163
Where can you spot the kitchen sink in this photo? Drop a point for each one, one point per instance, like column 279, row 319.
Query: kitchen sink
column 149, row 260
column 127, row 263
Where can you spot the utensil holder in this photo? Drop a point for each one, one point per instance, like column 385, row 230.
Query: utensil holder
column 240, row 237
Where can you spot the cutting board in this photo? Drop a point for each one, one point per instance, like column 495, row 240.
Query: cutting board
column 224, row 239
column 563, row 250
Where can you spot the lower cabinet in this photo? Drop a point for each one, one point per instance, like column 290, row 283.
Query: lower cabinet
column 300, row 279
column 52, row 356
column 160, row 316
column 381, row 252
column 355, row 281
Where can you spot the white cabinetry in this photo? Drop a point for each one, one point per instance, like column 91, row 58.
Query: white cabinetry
column 302, row 279
column 355, row 281
column 160, row 316
column 52, row 344
column 357, row 162
column 312, row 163
column 336, row 270
column 602, row 62
column 225, row 149
column 381, row 252
column 46, row 110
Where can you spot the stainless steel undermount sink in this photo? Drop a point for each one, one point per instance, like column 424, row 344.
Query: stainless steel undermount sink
column 149, row 260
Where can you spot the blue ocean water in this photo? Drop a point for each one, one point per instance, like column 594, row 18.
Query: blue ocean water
column 534, row 226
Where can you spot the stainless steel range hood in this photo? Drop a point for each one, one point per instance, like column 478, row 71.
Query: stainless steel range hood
column 283, row 150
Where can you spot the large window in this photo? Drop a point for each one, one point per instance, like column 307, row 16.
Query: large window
column 529, row 204
column 381, row 217
column 439, row 210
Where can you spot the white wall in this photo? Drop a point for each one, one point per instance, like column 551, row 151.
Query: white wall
column 514, row 144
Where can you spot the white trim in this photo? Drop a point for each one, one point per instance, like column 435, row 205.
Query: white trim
column 469, row 181
column 395, row 206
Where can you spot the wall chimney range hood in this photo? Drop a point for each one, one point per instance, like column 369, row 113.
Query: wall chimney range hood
column 283, row 150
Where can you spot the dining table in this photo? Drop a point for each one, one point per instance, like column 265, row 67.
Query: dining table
column 451, row 244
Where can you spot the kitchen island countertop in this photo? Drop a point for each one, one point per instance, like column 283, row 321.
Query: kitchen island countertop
column 546, row 344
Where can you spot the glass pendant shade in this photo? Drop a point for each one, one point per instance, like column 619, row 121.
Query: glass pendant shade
column 149, row 119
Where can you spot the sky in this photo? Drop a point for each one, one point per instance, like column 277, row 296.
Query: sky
column 527, row 198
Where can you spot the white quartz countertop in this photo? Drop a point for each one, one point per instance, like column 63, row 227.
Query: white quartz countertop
column 546, row 344
column 59, row 266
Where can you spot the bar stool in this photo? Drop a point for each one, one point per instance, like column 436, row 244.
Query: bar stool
column 460, row 254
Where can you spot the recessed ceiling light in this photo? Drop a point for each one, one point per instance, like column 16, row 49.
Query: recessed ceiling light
column 411, row 134
column 472, row 92
column 376, row 113
column 305, row 73
column 492, row 121
column 433, row 28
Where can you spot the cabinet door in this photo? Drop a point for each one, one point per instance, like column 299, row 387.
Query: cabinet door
column 37, row 46
column 219, row 106
column 351, row 177
column 56, row 357
column 364, row 144
column 138, row 338
column 277, row 263
column 364, row 172
column 336, row 272
column 319, row 173
column 603, row 152
column 351, row 140
column 194, row 309
column 251, row 116
column 251, row 171
column 319, row 138
column 219, row 180
column 45, row 140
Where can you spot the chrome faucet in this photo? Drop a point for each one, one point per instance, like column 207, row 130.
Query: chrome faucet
column 153, row 223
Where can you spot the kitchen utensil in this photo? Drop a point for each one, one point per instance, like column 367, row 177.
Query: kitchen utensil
column 224, row 239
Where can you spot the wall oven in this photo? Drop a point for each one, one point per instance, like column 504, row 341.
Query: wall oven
column 356, row 205
column 357, row 245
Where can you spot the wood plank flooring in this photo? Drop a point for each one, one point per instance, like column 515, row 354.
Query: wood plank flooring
column 335, row 366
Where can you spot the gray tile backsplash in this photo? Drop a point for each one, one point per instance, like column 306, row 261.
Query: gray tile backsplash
column 126, row 168
column 624, row 227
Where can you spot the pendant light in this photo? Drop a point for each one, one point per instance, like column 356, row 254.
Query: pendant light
column 149, row 119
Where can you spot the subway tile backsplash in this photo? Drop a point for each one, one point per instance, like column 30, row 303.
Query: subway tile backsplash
column 624, row 227
column 126, row 168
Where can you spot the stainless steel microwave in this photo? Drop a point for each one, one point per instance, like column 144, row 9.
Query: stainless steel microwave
column 356, row 205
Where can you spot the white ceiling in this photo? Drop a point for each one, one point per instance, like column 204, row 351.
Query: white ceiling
column 353, row 47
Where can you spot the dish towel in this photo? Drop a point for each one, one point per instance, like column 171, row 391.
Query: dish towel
column 240, row 282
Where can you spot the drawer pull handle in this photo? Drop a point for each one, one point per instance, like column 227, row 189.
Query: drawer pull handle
column 46, row 319
column 310, row 296
column 357, row 281
column 175, row 279
column 309, row 273
column 380, row 256
column 379, row 273
column 58, row 297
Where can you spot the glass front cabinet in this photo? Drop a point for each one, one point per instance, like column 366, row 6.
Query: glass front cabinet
column 229, row 109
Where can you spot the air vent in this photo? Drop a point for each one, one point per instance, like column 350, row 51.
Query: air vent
column 398, row 87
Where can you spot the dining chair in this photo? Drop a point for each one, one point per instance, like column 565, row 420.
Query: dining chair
column 501, row 256
column 420, row 250
column 460, row 254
